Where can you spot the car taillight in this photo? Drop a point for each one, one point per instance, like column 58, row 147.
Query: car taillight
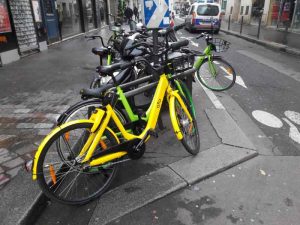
column 194, row 18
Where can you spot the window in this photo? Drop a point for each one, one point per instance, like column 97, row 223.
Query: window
column 48, row 7
column 242, row 10
column 224, row 3
column 247, row 10
column 208, row 10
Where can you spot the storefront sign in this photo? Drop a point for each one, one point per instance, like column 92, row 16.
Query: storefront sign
column 5, row 26
column 36, row 11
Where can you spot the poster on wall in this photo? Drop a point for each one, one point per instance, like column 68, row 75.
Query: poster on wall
column 5, row 26
column 36, row 11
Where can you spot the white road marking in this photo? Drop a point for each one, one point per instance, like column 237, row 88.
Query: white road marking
column 213, row 98
column 239, row 80
column 194, row 43
column 178, row 18
column 293, row 116
column 189, row 38
column 267, row 119
column 294, row 133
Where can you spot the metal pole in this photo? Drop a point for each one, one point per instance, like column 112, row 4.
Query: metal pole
column 241, row 25
column 229, row 18
column 259, row 23
column 155, row 44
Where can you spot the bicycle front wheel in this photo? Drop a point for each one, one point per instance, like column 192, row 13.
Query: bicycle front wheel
column 60, row 174
column 216, row 74
column 188, row 128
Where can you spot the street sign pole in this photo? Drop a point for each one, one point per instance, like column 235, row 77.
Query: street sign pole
column 155, row 14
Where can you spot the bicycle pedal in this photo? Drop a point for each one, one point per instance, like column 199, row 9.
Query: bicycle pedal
column 153, row 133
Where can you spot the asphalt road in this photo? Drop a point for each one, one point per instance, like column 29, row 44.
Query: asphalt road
column 272, row 87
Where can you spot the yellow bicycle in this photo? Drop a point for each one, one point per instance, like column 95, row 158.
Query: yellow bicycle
column 78, row 160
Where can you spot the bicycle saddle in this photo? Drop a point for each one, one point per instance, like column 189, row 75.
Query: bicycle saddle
column 109, row 70
column 174, row 55
column 123, row 77
column 102, row 51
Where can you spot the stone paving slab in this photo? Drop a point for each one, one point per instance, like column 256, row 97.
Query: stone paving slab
column 227, row 129
column 20, row 128
column 136, row 194
column 212, row 161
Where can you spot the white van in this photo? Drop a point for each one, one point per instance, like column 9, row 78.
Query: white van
column 204, row 16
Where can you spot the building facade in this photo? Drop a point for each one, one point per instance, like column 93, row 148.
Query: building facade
column 275, row 13
column 28, row 26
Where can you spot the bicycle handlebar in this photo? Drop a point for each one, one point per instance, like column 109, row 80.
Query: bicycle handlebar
column 93, row 37
column 206, row 35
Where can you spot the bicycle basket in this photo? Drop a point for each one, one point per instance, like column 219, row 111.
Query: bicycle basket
column 179, row 62
column 219, row 45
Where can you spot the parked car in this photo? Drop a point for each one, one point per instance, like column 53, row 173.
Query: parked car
column 204, row 16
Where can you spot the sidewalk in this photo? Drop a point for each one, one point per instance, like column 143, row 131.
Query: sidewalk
column 268, row 37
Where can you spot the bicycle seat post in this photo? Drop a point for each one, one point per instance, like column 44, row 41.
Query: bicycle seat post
column 155, row 44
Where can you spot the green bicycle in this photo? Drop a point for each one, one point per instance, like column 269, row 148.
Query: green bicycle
column 213, row 71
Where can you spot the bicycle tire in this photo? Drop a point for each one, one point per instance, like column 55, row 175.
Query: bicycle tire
column 83, row 109
column 59, row 185
column 192, row 127
column 224, row 74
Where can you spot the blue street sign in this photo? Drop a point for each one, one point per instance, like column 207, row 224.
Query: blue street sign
column 156, row 13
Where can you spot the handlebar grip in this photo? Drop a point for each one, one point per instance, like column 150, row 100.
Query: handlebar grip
column 179, row 44
column 178, row 27
column 127, row 64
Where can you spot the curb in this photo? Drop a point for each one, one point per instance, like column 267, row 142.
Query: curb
column 36, row 208
column 270, row 45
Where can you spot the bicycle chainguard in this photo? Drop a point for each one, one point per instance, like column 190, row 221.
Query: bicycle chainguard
column 139, row 149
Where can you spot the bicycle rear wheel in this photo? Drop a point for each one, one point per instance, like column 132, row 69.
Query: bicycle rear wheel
column 216, row 74
column 64, row 179
column 188, row 128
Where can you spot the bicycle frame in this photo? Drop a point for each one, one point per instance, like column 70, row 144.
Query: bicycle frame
column 102, row 118
column 206, row 54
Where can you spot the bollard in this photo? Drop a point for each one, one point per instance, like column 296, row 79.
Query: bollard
column 229, row 18
column 241, row 25
column 259, row 23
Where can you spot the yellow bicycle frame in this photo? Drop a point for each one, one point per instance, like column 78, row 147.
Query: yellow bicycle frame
column 102, row 117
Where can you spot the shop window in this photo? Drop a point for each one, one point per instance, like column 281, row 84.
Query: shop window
column 5, row 26
column 48, row 7
column 296, row 19
column 69, row 17
column 247, row 10
column 242, row 10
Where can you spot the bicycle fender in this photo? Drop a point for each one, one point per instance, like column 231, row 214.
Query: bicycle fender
column 46, row 140
column 175, row 95
column 174, row 122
